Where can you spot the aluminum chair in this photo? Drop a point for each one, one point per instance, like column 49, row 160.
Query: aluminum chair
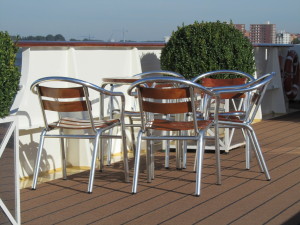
column 231, row 105
column 254, row 92
column 154, row 104
column 133, row 115
column 69, row 98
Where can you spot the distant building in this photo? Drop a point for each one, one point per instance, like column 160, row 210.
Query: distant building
column 283, row 38
column 263, row 33
column 241, row 27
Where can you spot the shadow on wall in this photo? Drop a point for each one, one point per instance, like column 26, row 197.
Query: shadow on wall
column 150, row 62
column 27, row 159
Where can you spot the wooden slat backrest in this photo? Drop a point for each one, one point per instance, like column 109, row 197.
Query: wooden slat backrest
column 169, row 94
column 165, row 93
column 167, row 108
column 209, row 82
column 57, row 94
column 74, row 92
column 74, row 106
column 224, row 96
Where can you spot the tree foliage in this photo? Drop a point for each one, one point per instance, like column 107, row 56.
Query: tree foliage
column 207, row 46
column 49, row 37
column 9, row 73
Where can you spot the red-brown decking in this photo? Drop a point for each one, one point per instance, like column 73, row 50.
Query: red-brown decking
column 244, row 197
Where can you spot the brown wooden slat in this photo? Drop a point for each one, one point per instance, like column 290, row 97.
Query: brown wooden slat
column 167, row 108
column 75, row 106
column 75, row 92
column 165, row 93
column 223, row 96
column 211, row 82
column 167, row 125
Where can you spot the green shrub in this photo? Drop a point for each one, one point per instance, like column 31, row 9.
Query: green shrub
column 9, row 73
column 201, row 47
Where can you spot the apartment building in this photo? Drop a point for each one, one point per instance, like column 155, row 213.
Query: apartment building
column 240, row 27
column 263, row 33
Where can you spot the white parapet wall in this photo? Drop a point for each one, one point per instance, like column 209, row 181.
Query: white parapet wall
column 91, row 62
column 87, row 62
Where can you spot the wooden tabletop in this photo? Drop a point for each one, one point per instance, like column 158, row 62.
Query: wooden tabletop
column 119, row 80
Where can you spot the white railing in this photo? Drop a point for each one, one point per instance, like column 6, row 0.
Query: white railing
column 9, row 171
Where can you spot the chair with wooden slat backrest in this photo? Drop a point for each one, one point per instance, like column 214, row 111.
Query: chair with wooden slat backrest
column 69, row 98
column 253, row 92
column 232, row 106
column 154, row 104
column 133, row 114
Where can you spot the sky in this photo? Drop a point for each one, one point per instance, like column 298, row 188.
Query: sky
column 138, row 20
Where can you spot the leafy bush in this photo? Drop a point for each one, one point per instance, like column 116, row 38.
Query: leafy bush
column 9, row 73
column 207, row 46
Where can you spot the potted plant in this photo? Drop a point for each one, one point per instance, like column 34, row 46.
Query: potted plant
column 202, row 47
column 208, row 46
column 9, row 73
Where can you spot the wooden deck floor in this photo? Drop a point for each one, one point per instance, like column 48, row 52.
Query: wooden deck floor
column 244, row 197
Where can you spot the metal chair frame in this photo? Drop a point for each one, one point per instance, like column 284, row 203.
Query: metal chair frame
column 134, row 114
column 51, row 100
column 230, row 102
column 148, row 122
column 254, row 91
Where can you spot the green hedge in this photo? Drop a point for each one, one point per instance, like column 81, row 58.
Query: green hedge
column 9, row 73
column 207, row 46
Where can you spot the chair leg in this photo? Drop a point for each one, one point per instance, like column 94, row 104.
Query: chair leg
column 255, row 150
column 132, row 134
column 247, row 149
column 217, row 154
column 38, row 160
column 93, row 163
column 149, row 161
column 137, row 163
column 101, row 151
column 195, row 160
column 63, row 156
column 167, row 150
column 184, row 154
column 199, row 162
column 167, row 153
column 258, row 153
column 152, row 160
column 109, row 146
column 179, row 150
column 125, row 156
